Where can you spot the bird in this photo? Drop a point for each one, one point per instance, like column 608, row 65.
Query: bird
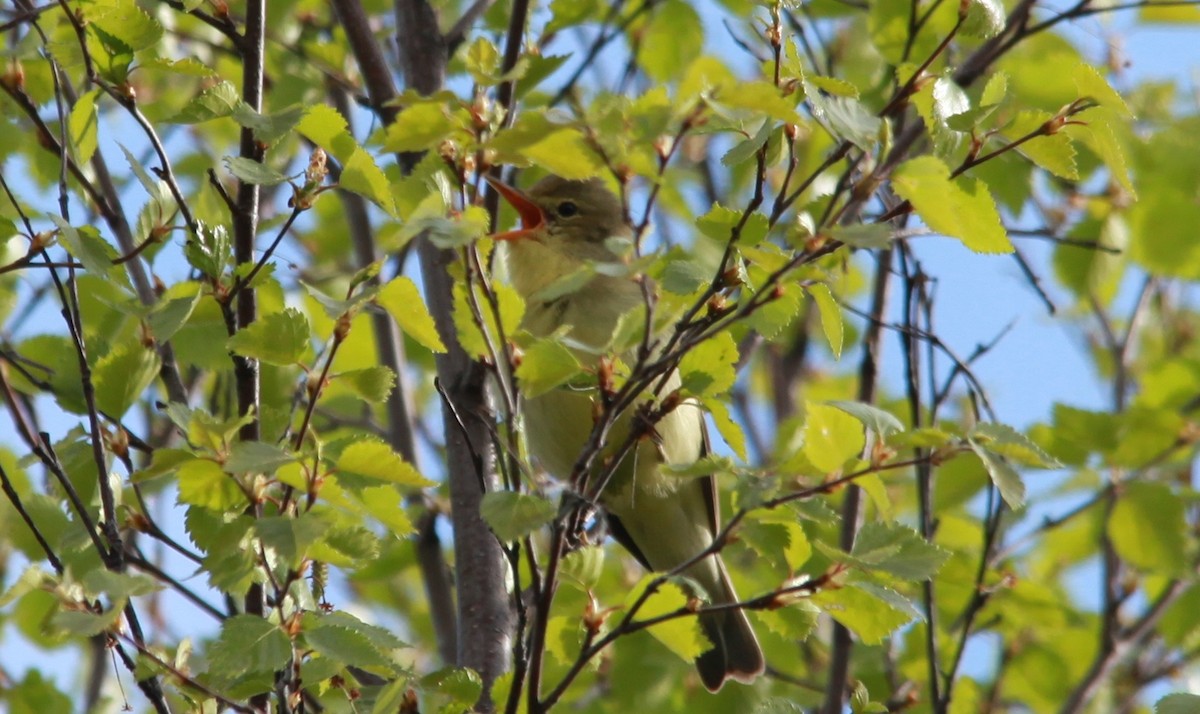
column 568, row 225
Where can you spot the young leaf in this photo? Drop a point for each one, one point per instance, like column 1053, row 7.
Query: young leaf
column 249, row 644
column 682, row 635
column 709, row 368
column 256, row 457
column 123, row 375
column 1012, row 489
column 279, row 339
column 872, row 417
column 403, row 302
column 372, row 384
column 376, row 460
column 84, row 125
column 831, row 317
column 1148, row 528
column 544, row 366
column 513, row 515
column 961, row 208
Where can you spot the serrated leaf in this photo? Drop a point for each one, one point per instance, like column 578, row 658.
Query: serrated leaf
column 566, row 153
column 875, row 419
column 372, row 384
column 709, row 368
column 985, row 19
column 83, row 623
column 249, row 644
column 170, row 315
column 1053, row 153
column 719, row 224
column 729, row 429
column 1148, row 527
column 682, row 635
column 1012, row 444
column 831, row 436
column 127, row 22
column 84, row 124
column 256, row 457
column 513, row 515
column 289, row 537
column 544, row 366
column 583, row 567
column 85, row 244
column 511, row 309
column 1178, row 703
column 279, row 338
column 831, row 317
column 253, row 172
column 1007, row 480
column 215, row 102
column 376, row 460
column 961, row 208
column 867, row 616
column 845, row 118
column 203, row 483
column 386, row 504
column 898, row 550
column 419, row 127
column 673, row 37
column 402, row 300
column 123, row 375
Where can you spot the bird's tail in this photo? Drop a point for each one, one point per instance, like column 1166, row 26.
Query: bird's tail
column 735, row 653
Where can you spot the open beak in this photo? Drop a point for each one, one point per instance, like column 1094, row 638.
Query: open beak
column 532, row 217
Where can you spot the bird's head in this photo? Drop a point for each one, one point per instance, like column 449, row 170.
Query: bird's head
column 575, row 217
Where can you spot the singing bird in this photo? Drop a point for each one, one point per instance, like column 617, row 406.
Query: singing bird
column 662, row 520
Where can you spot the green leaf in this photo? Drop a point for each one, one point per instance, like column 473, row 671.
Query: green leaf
column 85, row 244
column 203, row 483
column 84, row 126
column 831, row 436
column 566, row 153
column 280, row 338
column 709, row 368
column 171, row 314
column 123, row 375
column 961, row 208
column 720, row 222
column 1178, row 703
column 419, row 127
column 1055, row 153
column 1148, row 527
column 511, row 309
column 125, row 21
column 215, row 102
column 257, row 457
column 985, row 19
column 671, row 40
column 268, row 128
column 846, row 118
column 831, row 316
column 403, row 302
column 289, row 537
column 254, row 172
column 248, row 643
column 386, row 504
column 872, row 417
column 1012, row 444
column 899, row 550
column 545, row 365
column 372, row 384
column 325, row 127
column 376, row 460
column 343, row 642
column 682, row 635
column 82, row 623
column 482, row 60
column 864, row 613
column 1012, row 489
column 513, row 515
column 729, row 429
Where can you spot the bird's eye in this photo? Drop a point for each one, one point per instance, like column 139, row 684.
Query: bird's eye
column 566, row 209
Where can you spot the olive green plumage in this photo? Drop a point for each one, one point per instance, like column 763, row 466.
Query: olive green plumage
column 664, row 521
